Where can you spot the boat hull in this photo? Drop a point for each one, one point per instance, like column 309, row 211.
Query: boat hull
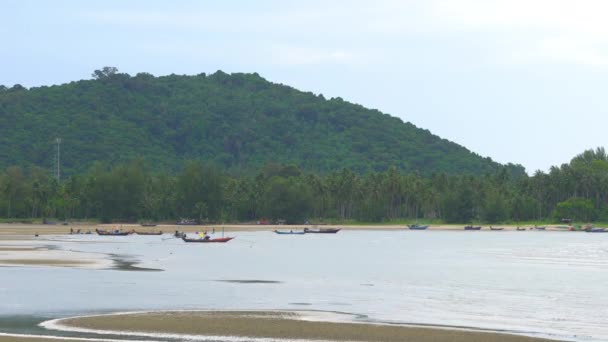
column 414, row 227
column 103, row 233
column 218, row 240
column 472, row 228
column 149, row 233
column 289, row 233
column 322, row 231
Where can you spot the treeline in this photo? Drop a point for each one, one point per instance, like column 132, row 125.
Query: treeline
column 131, row 192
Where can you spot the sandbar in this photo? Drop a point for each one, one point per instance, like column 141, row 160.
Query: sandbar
column 276, row 325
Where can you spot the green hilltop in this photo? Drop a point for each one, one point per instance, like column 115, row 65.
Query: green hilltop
column 239, row 122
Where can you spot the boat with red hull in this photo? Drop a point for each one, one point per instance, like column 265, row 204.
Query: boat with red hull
column 226, row 239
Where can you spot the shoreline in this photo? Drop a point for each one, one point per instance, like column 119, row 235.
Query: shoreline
column 16, row 229
column 273, row 326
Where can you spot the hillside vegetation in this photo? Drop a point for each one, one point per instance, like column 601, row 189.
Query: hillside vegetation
column 238, row 122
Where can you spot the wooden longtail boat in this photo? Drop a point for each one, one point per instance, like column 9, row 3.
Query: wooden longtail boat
column 226, row 239
column 149, row 233
column 322, row 231
column 496, row 228
column 472, row 228
column 417, row 227
column 187, row 222
column 521, row 229
column 290, row 232
column 113, row 233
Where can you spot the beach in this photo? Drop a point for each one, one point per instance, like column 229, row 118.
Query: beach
column 274, row 325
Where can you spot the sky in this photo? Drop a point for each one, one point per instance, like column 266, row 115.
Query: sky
column 520, row 81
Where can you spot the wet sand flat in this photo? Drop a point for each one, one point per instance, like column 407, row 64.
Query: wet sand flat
column 36, row 253
column 32, row 339
column 38, row 339
column 279, row 325
column 45, row 262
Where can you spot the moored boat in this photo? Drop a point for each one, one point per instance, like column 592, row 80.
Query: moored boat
column 597, row 230
column 540, row 227
column 289, row 232
column 226, row 239
column 417, row 227
column 113, row 232
column 187, row 222
column 148, row 224
column 149, row 233
column 322, row 231
column 497, row 228
column 521, row 229
column 472, row 227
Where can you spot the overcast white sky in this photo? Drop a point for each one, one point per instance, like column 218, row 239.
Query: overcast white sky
column 518, row 81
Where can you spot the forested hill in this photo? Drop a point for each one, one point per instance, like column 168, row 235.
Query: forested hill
column 238, row 121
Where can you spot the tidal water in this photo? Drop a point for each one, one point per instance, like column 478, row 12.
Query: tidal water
column 545, row 284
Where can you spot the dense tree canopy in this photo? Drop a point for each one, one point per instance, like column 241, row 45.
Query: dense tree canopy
column 239, row 122
column 131, row 192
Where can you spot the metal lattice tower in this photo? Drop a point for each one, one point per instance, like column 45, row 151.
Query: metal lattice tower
column 58, row 170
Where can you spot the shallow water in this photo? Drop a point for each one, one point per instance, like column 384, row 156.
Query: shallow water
column 548, row 284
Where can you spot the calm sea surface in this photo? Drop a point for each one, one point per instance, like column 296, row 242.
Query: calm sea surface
column 548, row 284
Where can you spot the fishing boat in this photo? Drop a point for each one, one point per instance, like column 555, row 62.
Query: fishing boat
column 204, row 240
column 417, row 227
column 596, row 230
column 540, row 227
column 521, row 229
column 187, row 222
column 289, row 232
column 113, row 233
column 322, row 231
column 472, row 227
column 148, row 224
column 496, row 228
column 149, row 233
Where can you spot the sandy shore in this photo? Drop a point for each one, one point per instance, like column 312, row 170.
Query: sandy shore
column 37, row 253
column 272, row 325
column 33, row 339
column 16, row 229
column 15, row 338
